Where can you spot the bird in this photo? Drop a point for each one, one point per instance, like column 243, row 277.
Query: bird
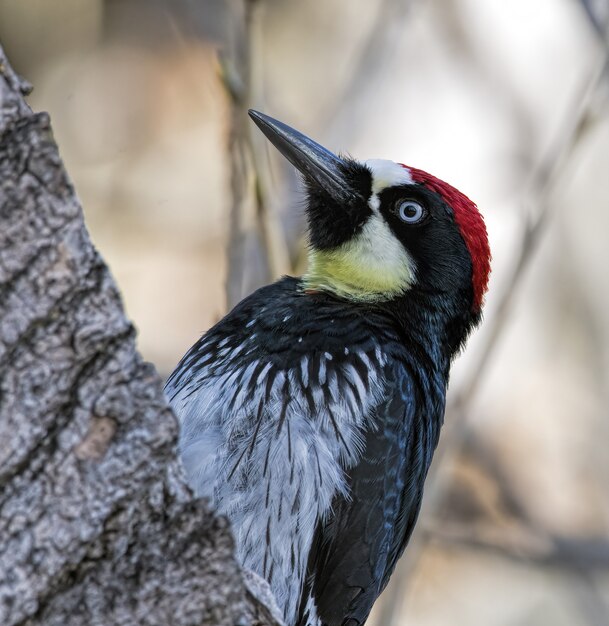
column 310, row 413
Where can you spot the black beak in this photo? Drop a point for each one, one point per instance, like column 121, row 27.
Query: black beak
column 317, row 164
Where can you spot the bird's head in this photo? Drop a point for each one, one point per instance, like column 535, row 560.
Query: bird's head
column 380, row 230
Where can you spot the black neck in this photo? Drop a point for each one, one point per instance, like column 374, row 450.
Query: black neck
column 438, row 323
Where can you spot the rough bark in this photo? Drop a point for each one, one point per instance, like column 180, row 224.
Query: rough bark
column 96, row 523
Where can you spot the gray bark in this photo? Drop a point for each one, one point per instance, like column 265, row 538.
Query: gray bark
column 96, row 523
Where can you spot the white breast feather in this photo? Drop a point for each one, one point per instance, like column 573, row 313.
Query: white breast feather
column 279, row 484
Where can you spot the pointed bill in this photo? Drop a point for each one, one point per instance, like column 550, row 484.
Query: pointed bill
column 315, row 162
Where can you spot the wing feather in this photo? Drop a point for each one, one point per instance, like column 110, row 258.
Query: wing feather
column 356, row 549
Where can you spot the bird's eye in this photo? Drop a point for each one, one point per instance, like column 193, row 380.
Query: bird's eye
column 410, row 211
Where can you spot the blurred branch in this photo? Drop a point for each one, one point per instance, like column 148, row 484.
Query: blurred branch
column 372, row 55
column 256, row 249
column 524, row 545
column 598, row 14
column 568, row 138
column 236, row 78
column 491, row 466
column 538, row 197
column 581, row 557
column 591, row 601
column 270, row 221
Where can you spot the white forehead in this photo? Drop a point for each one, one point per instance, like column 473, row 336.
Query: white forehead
column 387, row 173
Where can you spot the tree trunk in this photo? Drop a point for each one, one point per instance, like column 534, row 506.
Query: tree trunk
column 96, row 523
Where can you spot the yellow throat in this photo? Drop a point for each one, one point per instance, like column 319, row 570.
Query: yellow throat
column 372, row 267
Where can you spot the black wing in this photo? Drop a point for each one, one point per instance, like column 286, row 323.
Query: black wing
column 356, row 549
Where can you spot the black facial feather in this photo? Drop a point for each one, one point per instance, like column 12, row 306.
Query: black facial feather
column 442, row 262
column 331, row 225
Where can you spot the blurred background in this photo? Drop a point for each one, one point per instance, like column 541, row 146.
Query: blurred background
column 506, row 100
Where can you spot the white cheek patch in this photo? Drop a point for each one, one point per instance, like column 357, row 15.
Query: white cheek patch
column 385, row 174
column 379, row 251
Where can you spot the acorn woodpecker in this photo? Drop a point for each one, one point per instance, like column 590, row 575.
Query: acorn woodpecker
column 309, row 415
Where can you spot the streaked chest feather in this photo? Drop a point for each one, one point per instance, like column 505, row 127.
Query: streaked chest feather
column 270, row 445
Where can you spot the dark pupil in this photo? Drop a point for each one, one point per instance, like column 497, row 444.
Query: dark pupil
column 410, row 211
